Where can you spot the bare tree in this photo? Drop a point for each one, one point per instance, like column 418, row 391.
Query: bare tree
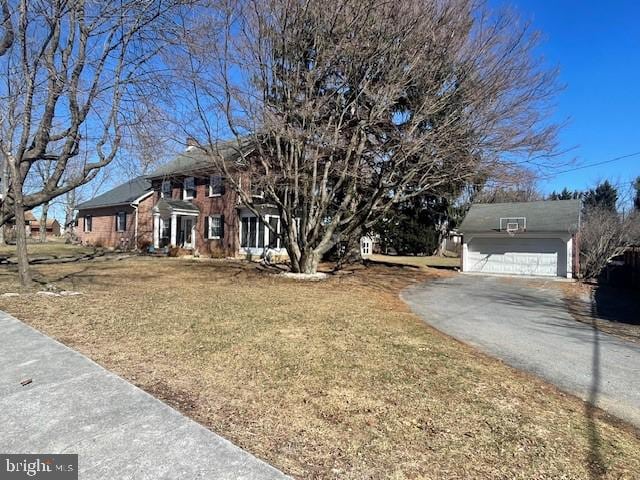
column 343, row 108
column 44, row 170
column 605, row 235
column 70, row 75
column 520, row 185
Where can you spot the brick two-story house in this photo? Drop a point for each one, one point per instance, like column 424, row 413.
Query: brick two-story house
column 187, row 204
column 194, row 209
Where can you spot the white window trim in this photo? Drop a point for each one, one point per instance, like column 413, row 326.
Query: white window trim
column 124, row 229
column 255, row 249
column 84, row 227
column 162, row 192
column 184, row 190
column 210, row 235
column 211, row 194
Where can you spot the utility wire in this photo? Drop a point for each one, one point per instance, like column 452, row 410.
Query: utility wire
column 589, row 165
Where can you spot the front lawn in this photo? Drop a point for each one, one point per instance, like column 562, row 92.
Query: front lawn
column 51, row 248
column 324, row 380
column 418, row 261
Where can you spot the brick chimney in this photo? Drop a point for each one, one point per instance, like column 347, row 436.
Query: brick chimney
column 191, row 143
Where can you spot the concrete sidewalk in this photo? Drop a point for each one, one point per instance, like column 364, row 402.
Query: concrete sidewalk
column 75, row 406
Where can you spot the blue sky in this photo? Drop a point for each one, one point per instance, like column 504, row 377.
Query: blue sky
column 597, row 47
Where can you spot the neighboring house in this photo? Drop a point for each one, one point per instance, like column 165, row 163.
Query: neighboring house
column 53, row 228
column 194, row 209
column 29, row 220
column 120, row 217
column 528, row 238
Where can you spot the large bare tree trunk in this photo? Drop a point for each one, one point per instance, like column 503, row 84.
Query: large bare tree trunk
column 43, row 222
column 4, row 189
column 308, row 263
column 24, row 273
column 69, row 221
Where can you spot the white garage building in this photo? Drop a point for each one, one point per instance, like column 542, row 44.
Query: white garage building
column 528, row 238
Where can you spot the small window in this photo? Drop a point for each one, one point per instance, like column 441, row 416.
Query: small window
column 216, row 227
column 274, row 240
column 121, row 222
column 249, row 227
column 189, row 188
column 216, row 185
column 87, row 223
column 165, row 229
column 165, row 189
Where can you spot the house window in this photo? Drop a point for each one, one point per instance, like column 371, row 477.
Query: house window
column 274, row 240
column 215, row 228
column 87, row 223
column 255, row 234
column 165, row 229
column 216, row 185
column 121, row 221
column 189, row 188
column 165, row 189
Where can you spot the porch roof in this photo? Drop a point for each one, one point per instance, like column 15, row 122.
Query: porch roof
column 169, row 206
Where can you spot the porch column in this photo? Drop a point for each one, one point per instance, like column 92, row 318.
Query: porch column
column 156, row 230
column 174, row 229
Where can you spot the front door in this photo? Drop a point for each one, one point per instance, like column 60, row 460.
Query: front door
column 187, row 232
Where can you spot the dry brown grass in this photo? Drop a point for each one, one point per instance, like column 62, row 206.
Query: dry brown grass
column 54, row 247
column 325, row 380
column 426, row 261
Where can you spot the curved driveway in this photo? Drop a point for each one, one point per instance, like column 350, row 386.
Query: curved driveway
column 526, row 324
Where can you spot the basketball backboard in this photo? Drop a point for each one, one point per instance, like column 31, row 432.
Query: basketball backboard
column 513, row 225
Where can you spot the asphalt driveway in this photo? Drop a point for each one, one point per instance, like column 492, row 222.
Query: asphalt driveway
column 526, row 324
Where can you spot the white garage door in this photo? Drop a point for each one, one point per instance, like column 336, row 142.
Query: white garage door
column 514, row 256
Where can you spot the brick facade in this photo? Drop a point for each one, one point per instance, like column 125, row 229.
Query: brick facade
column 103, row 229
column 225, row 205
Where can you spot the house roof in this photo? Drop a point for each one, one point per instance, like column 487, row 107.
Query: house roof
column 50, row 223
column 122, row 194
column 194, row 160
column 542, row 216
column 29, row 216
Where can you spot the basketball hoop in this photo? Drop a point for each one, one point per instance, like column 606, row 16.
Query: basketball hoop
column 513, row 225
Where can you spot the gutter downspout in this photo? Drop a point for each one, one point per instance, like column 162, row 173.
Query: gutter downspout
column 135, row 226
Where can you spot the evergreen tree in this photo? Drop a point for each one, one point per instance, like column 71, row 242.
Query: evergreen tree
column 565, row 194
column 636, row 200
column 603, row 196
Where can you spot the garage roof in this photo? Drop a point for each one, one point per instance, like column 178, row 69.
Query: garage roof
column 543, row 216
